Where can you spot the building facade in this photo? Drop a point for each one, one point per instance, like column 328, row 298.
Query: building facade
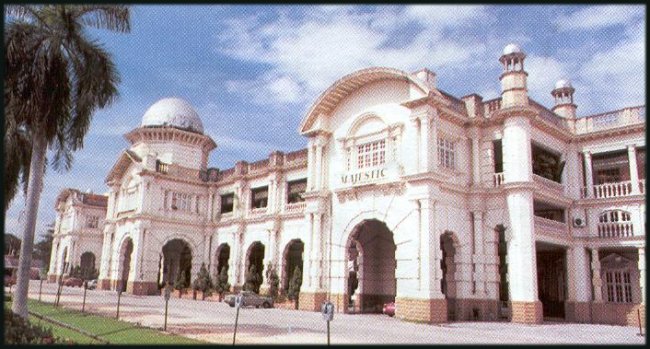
column 453, row 208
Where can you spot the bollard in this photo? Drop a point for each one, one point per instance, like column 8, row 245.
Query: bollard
column 119, row 296
column 238, row 302
column 327, row 309
column 83, row 305
column 638, row 314
column 40, row 290
column 167, row 295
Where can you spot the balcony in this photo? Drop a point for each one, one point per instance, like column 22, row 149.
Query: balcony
column 615, row 229
column 547, row 183
column 258, row 211
column 605, row 121
column 550, row 227
column 613, row 190
column 295, row 207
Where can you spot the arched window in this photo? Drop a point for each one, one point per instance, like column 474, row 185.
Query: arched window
column 617, row 275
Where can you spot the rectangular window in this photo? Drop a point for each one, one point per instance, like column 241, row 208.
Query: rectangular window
column 446, row 154
column 608, row 175
column 619, row 287
column 371, row 154
column 227, row 202
column 259, row 197
column 295, row 189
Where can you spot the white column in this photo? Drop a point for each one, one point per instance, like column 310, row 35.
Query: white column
column 427, row 147
column 634, row 170
column 642, row 279
column 210, row 205
column 317, row 252
column 517, row 166
column 578, row 274
column 476, row 157
column 53, row 255
column 596, row 280
column 522, row 268
column 589, row 179
column 319, row 167
column 310, row 166
column 430, row 272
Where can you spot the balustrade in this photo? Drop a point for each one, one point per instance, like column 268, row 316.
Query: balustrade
column 615, row 229
column 498, row 179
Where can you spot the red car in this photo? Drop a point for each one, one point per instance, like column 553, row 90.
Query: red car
column 389, row 309
column 74, row 282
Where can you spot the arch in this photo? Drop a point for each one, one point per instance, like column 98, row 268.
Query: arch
column 87, row 265
column 363, row 121
column 615, row 223
column 449, row 245
column 124, row 263
column 343, row 87
column 292, row 257
column 370, row 266
column 254, row 257
column 222, row 255
column 176, row 261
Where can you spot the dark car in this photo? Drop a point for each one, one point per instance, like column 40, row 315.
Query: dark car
column 389, row 309
column 74, row 282
column 250, row 299
column 92, row 284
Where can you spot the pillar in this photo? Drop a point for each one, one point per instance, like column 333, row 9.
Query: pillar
column 634, row 170
column 589, row 178
column 478, row 259
column 642, row 279
column 596, row 280
column 476, row 157
column 579, row 285
column 310, row 167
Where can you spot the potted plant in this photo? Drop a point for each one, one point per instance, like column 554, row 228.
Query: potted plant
column 221, row 283
column 180, row 283
column 294, row 286
column 202, row 283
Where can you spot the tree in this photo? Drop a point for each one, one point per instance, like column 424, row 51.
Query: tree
column 221, row 284
column 294, row 284
column 56, row 78
column 181, row 282
column 203, row 282
column 43, row 249
column 274, row 281
column 253, row 280
column 12, row 245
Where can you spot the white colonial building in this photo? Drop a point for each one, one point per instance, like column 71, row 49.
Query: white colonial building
column 454, row 208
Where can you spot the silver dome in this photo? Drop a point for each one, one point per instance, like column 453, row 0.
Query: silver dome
column 174, row 112
column 511, row 48
column 563, row 83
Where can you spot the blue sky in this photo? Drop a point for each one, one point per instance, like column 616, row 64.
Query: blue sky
column 251, row 72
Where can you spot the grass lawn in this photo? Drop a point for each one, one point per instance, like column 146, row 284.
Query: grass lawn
column 114, row 331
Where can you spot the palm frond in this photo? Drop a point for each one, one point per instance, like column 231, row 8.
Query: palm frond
column 111, row 17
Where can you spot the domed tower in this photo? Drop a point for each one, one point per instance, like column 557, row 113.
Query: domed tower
column 563, row 94
column 171, row 132
column 513, row 78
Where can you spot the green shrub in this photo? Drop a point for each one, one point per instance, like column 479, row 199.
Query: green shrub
column 274, row 281
column 253, row 280
column 294, row 284
column 221, row 283
column 20, row 331
column 203, row 282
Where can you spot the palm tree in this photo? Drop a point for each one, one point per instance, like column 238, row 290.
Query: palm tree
column 56, row 77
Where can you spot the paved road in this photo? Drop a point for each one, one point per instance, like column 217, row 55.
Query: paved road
column 214, row 322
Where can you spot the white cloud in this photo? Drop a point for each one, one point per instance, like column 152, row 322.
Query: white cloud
column 596, row 17
column 306, row 55
column 543, row 72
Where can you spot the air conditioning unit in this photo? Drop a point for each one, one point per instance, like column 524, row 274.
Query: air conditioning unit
column 579, row 222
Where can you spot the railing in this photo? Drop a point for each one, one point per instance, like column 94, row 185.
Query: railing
column 553, row 185
column 295, row 207
column 258, row 211
column 227, row 173
column 162, row 167
column 550, row 226
column 498, row 179
column 295, row 156
column 258, row 165
column 491, row 106
column 617, row 118
column 642, row 186
column 549, row 115
column 612, row 190
column 615, row 229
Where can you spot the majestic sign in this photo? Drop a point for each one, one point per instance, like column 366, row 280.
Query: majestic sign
column 386, row 173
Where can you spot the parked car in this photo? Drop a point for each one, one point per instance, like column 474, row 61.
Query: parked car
column 389, row 309
column 92, row 284
column 250, row 299
column 74, row 282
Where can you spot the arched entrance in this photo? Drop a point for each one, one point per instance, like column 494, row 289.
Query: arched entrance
column 292, row 258
column 222, row 257
column 370, row 267
column 254, row 258
column 87, row 265
column 125, row 264
column 448, row 268
column 176, row 262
